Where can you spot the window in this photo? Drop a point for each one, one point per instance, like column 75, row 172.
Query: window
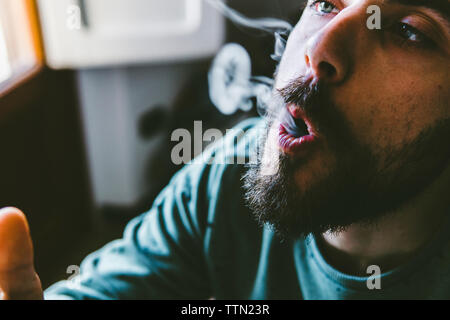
column 20, row 52
column 5, row 67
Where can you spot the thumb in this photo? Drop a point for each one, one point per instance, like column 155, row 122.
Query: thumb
column 18, row 279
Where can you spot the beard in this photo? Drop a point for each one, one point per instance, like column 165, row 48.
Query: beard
column 361, row 186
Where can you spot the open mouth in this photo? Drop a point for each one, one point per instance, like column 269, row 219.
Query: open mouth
column 297, row 128
column 296, row 136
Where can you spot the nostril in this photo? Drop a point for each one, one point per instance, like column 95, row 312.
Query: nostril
column 327, row 70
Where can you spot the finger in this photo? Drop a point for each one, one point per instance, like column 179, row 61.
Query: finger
column 16, row 249
column 18, row 279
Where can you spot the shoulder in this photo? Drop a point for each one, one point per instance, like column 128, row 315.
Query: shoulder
column 237, row 147
column 215, row 175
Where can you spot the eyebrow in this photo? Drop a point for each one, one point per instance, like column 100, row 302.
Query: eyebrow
column 442, row 7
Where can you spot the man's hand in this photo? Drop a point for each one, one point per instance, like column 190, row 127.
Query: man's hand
column 18, row 279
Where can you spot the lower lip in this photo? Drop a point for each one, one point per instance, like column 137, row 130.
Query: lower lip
column 297, row 146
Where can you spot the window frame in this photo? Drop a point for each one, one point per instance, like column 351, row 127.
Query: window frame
column 19, row 78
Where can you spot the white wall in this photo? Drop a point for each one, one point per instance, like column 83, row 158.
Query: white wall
column 111, row 102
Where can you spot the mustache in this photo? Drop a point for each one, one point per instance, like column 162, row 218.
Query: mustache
column 305, row 93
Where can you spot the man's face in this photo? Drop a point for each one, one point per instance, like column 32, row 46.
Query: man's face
column 375, row 106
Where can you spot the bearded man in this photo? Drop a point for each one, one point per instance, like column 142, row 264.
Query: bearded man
column 352, row 176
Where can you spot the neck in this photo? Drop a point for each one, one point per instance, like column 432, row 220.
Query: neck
column 395, row 238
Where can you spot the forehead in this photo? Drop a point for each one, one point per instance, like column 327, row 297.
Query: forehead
column 441, row 7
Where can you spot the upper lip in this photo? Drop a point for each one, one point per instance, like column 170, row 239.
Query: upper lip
column 311, row 80
column 295, row 111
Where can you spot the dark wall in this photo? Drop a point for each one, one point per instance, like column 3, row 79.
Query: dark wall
column 42, row 165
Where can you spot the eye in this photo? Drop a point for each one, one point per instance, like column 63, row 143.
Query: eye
column 411, row 35
column 324, row 7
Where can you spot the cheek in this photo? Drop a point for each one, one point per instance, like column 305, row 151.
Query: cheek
column 293, row 64
column 394, row 112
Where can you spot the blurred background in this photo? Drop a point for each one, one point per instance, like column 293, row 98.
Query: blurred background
column 90, row 92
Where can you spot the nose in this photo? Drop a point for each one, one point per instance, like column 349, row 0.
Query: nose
column 328, row 53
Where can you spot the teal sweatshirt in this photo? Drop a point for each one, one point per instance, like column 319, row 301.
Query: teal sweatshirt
column 199, row 241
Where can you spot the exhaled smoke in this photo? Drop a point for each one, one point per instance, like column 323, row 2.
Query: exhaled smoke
column 271, row 25
column 231, row 85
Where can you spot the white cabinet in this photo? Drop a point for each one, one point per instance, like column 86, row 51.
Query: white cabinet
column 91, row 33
